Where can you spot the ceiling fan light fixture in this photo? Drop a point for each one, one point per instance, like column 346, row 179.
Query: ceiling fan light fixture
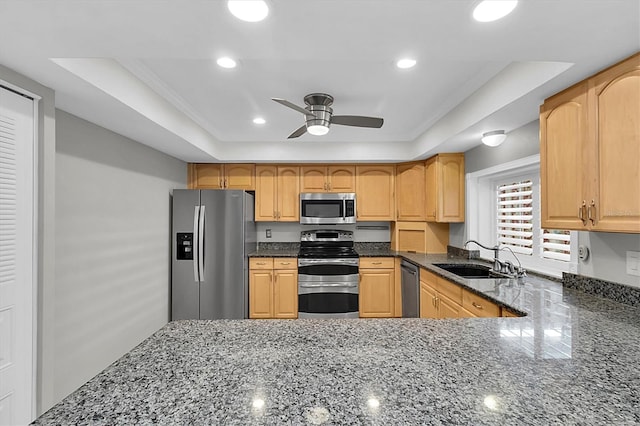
column 317, row 130
column 406, row 63
column 492, row 10
column 493, row 138
column 248, row 10
column 226, row 62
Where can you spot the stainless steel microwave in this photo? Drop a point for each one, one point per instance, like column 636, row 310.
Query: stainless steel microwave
column 327, row 208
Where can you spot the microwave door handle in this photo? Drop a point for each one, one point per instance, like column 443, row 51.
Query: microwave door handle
column 196, row 216
column 201, row 244
column 344, row 210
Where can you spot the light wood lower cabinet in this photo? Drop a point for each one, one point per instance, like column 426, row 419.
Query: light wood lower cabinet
column 273, row 288
column 377, row 287
column 441, row 298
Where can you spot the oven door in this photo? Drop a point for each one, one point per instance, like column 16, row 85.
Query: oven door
column 334, row 296
column 328, row 288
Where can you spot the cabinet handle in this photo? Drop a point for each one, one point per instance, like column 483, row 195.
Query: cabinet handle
column 279, row 215
column 260, row 263
column 581, row 212
column 325, row 186
column 434, row 301
column 376, row 263
column 592, row 208
column 285, row 263
column 275, row 214
column 221, row 183
column 475, row 305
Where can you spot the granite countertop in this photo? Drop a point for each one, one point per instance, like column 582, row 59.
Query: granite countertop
column 571, row 360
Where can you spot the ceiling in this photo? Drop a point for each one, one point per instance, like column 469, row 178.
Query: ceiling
column 147, row 69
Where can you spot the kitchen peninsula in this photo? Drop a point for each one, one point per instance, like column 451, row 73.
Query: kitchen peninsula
column 571, row 360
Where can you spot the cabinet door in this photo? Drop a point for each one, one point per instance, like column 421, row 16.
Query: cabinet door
column 285, row 295
column 616, row 99
column 428, row 306
column 240, row 176
column 260, row 294
column 313, row 179
column 206, row 176
column 410, row 191
column 431, row 190
column 375, row 193
column 288, row 194
column 341, row 178
column 377, row 293
column 447, row 308
column 450, row 193
column 265, row 201
column 565, row 151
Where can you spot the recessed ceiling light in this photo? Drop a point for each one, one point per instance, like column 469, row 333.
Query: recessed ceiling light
column 406, row 63
column 248, row 10
column 492, row 10
column 259, row 120
column 226, row 62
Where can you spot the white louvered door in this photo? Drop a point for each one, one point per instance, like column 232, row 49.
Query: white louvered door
column 16, row 258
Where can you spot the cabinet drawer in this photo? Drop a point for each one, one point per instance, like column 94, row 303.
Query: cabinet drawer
column 377, row 263
column 261, row 263
column 285, row 263
column 452, row 290
column 479, row 306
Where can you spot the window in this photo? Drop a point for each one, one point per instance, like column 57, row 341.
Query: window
column 506, row 200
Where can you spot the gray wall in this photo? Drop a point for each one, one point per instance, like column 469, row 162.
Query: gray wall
column 113, row 205
column 608, row 250
column 46, row 237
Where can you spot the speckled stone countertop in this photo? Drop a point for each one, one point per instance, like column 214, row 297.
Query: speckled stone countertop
column 572, row 360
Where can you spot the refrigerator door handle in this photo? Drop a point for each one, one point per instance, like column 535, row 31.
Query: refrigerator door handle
column 201, row 244
column 196, row 254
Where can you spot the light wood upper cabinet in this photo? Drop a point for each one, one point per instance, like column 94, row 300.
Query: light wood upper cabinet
column 323, row 178
column 277, row 193
column 564, row 149
column 590, row 152
column 420, row 237
column 377, row 287
column 445, row 189
column 221, row 176
column 616, row 99
column 410, row 191
column 375, row 185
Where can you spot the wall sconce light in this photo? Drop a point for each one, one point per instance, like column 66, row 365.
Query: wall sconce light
column 493, row 138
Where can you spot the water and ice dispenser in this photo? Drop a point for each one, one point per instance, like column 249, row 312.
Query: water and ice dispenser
column 184, row 249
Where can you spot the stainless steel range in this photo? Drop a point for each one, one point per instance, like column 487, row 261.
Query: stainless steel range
column 328, row 275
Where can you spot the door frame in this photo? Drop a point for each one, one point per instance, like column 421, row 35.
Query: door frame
column 34, row 243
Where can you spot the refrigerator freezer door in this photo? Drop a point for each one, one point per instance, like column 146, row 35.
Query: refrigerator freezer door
column 184, row 288
column 223, row 291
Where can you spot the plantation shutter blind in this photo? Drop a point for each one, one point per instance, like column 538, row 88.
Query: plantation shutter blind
column 556, row 245
column 515, row 216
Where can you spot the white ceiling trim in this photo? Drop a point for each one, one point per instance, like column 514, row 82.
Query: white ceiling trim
column 113, row 79
column 512, row 83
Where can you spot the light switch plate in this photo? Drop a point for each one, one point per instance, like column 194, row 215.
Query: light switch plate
column 633, row 263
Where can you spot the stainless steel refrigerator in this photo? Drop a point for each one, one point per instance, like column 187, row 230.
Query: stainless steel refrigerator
column 213, row 233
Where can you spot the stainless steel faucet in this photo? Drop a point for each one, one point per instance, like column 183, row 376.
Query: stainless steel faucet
column 499, row 266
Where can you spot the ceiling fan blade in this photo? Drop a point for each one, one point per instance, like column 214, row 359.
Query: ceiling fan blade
column 299, row 132
column 357, row 121
column 293, row 106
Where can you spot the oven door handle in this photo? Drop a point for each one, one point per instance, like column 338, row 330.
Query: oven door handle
column 328, row 285
column 309, row 262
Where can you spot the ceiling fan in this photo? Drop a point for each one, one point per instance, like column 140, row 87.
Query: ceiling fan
column 319, row 116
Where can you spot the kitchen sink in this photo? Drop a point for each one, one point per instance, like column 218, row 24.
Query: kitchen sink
column 470, row 271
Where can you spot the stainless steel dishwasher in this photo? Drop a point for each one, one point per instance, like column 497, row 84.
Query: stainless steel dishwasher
column 410, row 290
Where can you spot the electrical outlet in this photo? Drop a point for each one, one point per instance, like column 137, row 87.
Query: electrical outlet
column 268, row 233
column 633, row 263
